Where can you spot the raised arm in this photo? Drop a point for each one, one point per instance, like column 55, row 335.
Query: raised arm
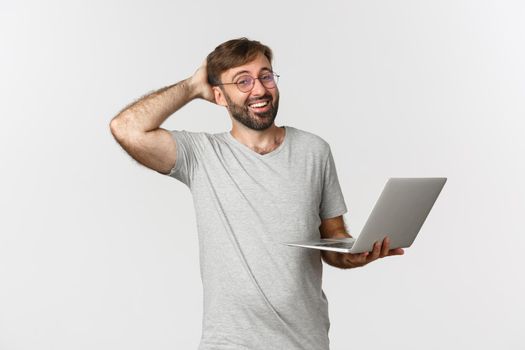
column 137, row 128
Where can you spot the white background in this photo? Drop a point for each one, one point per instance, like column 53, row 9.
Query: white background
column 98, row 252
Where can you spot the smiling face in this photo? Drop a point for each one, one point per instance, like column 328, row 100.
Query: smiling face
column 255, row 109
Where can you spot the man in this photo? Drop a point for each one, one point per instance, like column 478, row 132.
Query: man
column 253, row 188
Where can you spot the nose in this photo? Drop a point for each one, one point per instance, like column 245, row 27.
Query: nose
column 258, row 88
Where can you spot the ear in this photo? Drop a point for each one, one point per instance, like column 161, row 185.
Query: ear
column 219, row 96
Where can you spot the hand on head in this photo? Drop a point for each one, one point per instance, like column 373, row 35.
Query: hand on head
column 199, row 82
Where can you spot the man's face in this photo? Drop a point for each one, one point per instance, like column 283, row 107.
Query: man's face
column 243, row 105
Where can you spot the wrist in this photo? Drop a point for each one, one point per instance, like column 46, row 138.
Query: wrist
column 191, row 88
column 334, row 259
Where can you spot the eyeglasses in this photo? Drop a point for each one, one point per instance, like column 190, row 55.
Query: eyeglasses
column 245, row 83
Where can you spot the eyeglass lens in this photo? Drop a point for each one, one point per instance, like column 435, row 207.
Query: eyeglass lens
column 245, row 83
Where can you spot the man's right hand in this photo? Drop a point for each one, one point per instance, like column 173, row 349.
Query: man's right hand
column 199, row 83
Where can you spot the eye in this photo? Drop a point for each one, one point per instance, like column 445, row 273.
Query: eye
column 266, row 77
column 245, row 80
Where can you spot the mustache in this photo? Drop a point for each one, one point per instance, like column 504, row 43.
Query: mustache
column 265, row 97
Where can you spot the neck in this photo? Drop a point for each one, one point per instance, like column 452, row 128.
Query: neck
column 260, row 141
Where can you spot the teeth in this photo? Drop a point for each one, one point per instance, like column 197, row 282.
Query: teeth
column 260, row 104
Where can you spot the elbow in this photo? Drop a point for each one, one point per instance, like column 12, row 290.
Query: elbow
column 117, row 126
column 115, row 123
column 124, row 132
column 113, row 126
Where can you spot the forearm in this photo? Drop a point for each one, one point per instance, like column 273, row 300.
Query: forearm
column 333, row 228
column 149, row 112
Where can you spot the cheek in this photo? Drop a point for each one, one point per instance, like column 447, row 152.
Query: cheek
column 243, row 102
column 275, row 98
column 240, row 105
column 239, row 100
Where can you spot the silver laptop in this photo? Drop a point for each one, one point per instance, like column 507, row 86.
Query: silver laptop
column 399, row 214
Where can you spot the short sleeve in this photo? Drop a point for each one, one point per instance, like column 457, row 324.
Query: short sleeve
column 187, row 157
column 332, row 200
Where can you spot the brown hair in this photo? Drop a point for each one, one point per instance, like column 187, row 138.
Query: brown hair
column 233, row 53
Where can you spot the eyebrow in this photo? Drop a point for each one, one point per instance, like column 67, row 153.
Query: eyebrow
column 245, row 71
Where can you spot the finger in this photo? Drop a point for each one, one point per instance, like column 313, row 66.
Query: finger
column 376, row 251
column 385, row 247
column 397, row 251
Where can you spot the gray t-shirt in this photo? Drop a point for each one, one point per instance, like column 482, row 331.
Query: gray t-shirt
column 259, row 293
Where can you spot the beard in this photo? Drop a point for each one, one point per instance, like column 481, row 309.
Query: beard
column 254, row 120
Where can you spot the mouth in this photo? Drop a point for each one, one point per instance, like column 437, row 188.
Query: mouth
column 260, row 106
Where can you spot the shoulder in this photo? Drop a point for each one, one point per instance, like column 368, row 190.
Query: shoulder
column 308, row 139
column 190, row 134
column 196, row 137
column 197, row 144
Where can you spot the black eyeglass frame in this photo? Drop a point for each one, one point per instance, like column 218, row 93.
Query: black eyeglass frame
column 276, row 80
